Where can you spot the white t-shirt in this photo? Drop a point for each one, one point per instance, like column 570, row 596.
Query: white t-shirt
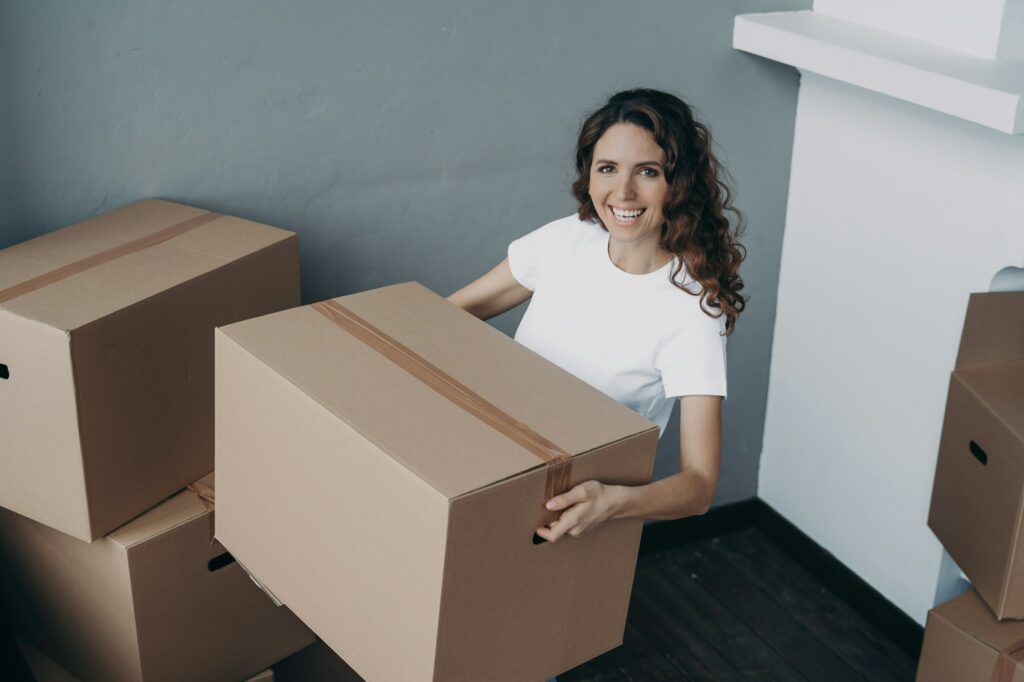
column 637, row 338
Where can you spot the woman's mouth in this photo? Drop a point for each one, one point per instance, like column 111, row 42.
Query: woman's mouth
column 628, row 217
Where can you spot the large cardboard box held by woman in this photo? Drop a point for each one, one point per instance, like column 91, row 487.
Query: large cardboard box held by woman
column 383, row 462
column 106, row 355
column 158, row 599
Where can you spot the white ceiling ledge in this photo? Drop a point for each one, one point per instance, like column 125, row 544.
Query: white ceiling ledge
column 985, row 91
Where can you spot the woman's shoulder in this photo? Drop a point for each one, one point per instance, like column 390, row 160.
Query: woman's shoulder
column 568, row 233
column 571, row 226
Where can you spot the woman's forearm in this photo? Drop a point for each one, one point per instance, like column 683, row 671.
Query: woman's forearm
column 688, row 493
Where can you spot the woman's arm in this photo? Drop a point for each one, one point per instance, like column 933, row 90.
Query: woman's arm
column 492, row 294
column 688, row 493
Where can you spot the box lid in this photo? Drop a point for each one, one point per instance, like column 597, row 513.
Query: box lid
column 74, row 276
column 441, row 442
column 191, row 503
column 993, row 330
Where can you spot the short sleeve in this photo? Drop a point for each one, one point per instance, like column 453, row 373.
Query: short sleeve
column 528, row 254
column 691, row 359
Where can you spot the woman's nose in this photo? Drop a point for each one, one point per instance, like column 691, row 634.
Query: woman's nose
column 625, row 188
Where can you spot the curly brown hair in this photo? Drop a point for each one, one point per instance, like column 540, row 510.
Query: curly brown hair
column 696, row 226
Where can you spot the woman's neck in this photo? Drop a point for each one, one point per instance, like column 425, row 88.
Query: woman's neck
column 638, row 258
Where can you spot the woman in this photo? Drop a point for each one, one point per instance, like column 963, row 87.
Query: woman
column 635, row 294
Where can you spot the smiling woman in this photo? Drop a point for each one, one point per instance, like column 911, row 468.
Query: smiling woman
column 635, row 294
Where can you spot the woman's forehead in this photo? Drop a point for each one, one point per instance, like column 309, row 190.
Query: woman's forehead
column 628, row 143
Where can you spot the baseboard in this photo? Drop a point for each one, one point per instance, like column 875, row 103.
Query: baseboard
column 822, row 564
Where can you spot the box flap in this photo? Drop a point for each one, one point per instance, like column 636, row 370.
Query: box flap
column 170, row 513
column 993, row 330
column 969, row 614
column 110, row 285
column 1000, row 388
column 439, row 441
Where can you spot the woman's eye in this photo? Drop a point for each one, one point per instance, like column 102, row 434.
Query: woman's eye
column 605, row 169
column 649, row 172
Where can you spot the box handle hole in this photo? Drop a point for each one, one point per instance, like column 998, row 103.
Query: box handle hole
column 538, row 540
column 5, row 373
column 978, row 453
column 220, row 561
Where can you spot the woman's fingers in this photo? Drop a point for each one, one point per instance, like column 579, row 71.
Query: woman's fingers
column 580, row 493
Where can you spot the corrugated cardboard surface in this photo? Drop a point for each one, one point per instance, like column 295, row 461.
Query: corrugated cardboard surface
column 109, row 402
column 143, row 604
column 349, row 535
column 977, row 507
column 962, row 643
column 401, row 525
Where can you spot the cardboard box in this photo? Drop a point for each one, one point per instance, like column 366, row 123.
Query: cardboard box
column 106, row 355
column 315, row 663
column 963, row 642
column 390, row 497
column 977, row 502
column 157, row 599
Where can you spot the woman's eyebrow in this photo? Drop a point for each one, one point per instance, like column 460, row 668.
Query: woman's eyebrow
column 641, row 163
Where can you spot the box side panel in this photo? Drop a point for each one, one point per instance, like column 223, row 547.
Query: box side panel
column 41, row 456
column 975, row 507
column 71, row 598
column 513, row 610
column 229, row 628
column 145, row 382
column 342, row 534
column 993, row 329
column 949, row 654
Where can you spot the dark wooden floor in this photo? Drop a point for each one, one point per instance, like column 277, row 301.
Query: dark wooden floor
column 735, row 607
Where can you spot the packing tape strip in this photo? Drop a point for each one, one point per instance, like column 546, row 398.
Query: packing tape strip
column 102, row 257
column 558, row 460
column 1006, row 664
column 205, row 494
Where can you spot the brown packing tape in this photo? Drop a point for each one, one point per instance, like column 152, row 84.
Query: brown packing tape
column 1006, row 664
column 102, row 257
column 205, row 494
column 558, row 460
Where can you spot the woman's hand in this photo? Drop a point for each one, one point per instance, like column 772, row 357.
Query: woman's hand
column 584, row 507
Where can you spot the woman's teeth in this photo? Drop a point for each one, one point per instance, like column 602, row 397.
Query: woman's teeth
column 627, row 216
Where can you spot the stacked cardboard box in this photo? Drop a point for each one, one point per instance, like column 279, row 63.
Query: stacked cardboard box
column 977, row 505
column 106, row 406
column 383, row 461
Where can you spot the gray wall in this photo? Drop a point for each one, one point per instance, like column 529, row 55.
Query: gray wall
column 402, row 140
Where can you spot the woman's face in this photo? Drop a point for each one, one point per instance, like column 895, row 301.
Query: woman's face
column 627, row 183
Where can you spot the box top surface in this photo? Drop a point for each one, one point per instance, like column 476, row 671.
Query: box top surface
column 969, row 614
column 993, row 330
column 110, row 262
column 437, row 439
column 172, row 512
